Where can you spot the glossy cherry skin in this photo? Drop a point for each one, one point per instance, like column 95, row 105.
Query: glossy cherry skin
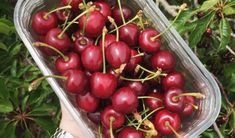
column 129, row 34
column 171, row 103
column 104, row 8
column 94, row 24
column 52, row 38
column 125, row 100
column 173, row 79
column 87, row 102
column 118, row 53
column 76, row 81
column 146, row 43
column 134, row 61
column 73, row 62
column 164, row 60
column 130, row 132
column 64, row 15
column 109, row 38
column 116, row 14
column 108, row 113
column 156, row 102
column 81, row 42
column 42, row 25
column 92, row 59
column 94, row 117
column 73, row 3
column 164, row 116
column 103, row 85
column 138, row 87
column 188, row 108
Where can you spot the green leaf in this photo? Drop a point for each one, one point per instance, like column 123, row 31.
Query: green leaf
column 229, row 10
column 4, row 93
column 16, row 49
column 202, row 24
column 232, row 120
column 208, row 5
column 43, row 110
column 183, row 18
column 225, row 33
column 25, row 102
column 5, row 106
column 209, row 135
column 14, row 68
column 46, row 124
column 10, row 130
column 231, row 84
column 3, row 46
column 5, row 29
column 3, row 125
column 28, row 134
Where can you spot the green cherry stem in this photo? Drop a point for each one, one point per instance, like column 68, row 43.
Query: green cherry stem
column 57, row 9
column 193, row 94
column 138, row 55
column 149, row 97
column 111, row 20
column 103, row 48
column 111, row 120
column 99, row 131
column 144, row 69
column 92, row 8
column 173, row 130
column 121, row 12
column 41, row 44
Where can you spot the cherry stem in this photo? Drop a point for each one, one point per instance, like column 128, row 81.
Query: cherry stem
column 194, row 106
column 147, row 116
column 111, row 20
column 111, row 120
column 144, row 69
column 57, row 9
column 149, row 97
column 83, row 29
column 103, row 48
column 173, row 130
column 139, row 14
column 138, row 55
column 121, row 12
column 92, row 8
column 34, row 85
column 99, row 131
column 66, row 20
column 196, row 95
column 182, row 7
column 41, row 44
column 120, row 69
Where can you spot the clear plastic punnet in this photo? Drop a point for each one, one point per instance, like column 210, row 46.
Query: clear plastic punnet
column 196, row 75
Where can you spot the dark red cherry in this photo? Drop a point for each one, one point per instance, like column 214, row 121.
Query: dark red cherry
column 87, row 102
column 106, row 133
column 95, row 22
column 125, row 100
column 172, row 102
column 73, row 62
column 92, row 58
column 138, row 87
column 41, row 24
column 118, row 53
column 173, row 79
column 109, row 38
column 52, row 38
column 76, row 81
column 146, row 41
column 104, row 8
column 134, row 61
column 116, row 14
column 129, row 34
column 81, row 43
column 155, row 102
column 94, row 117
column 208, row 32
column 73, row 3
column 164, row 60
column 188, row 109
column 162, row 118
column 64, row 15
column 109, row 113
column 103, row 85
column 130, row 132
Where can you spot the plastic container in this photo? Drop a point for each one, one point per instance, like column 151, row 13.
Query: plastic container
column 197, row 77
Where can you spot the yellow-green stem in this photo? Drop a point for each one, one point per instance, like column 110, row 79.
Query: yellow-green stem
column 111, row 20
column 111, row 120
column 149, row 97
column 103, row 48
column 138, row 55
column 121, row 12
column 57, row 9
column 194, row 94
column 173, row 130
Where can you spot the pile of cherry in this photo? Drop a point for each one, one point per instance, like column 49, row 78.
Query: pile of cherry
column 139, row 93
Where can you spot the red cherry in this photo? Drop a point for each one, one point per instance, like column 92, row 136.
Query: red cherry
column 106, row 133
column 134, row 61
column 76, row 81
column 87, row 102
column 103, row 85
column 109, row 38
column 52, row 38
column 138, row 87
column 162, row 118
column 95, row 22
column 94, row 117
column 130, row 132
column 125, row 100
column 173, row 79
column 109, row 113
column 172, row 103
column 118, row 53
column 188, row 109
column 129, row 34
column 73, row 62
column 164, row 60
column 41, row 24
column 116, row 14
column 82, row 42
column 64, row 15
column 156, row 102
column 92, row 58
column 73, row 3
column 146, row 43
column 104, row 8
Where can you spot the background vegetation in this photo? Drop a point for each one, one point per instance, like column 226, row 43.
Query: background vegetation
column 207, row 26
